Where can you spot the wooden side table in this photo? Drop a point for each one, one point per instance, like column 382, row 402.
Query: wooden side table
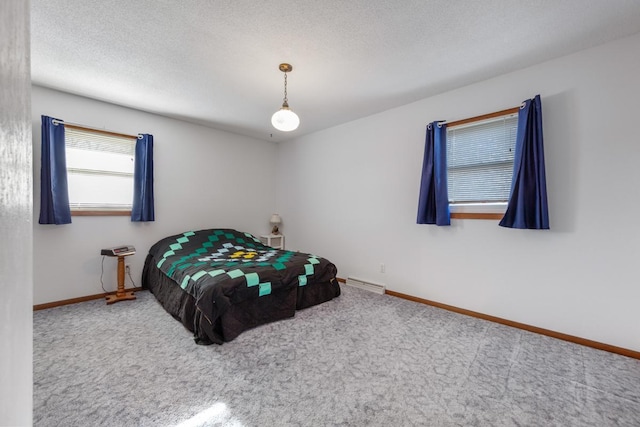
column 120, row 294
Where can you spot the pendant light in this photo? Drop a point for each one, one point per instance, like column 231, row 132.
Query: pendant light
column 284, row 119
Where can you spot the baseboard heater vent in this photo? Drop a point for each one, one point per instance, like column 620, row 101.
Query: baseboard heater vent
column 366, row 285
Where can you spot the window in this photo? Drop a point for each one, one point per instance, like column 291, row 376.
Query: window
column 480, row 154
column 100, row 169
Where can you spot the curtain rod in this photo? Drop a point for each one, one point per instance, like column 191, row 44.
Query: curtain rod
column 78, row 125
column 485, row 116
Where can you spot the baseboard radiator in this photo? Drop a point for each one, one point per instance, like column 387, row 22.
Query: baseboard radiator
column 366, row 285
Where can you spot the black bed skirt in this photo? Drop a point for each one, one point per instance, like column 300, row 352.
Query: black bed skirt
column 240, row 316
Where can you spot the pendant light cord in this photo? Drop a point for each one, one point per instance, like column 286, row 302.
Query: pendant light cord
column 286, row 101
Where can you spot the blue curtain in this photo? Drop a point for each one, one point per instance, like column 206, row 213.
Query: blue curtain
column 433, row 204
column 527, row 207
column 54, row 193
column 142, row 209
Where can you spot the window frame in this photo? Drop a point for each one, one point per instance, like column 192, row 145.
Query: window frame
column 98, row 211
column 482, row 211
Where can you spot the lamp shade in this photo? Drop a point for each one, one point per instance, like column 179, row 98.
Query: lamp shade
column 285, row 120
column 275, row 219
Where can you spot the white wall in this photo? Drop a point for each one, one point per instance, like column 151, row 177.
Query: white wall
column 204, row 178
column 350, row 193
column 16, row 324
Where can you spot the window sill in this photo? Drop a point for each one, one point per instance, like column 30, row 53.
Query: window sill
column 490, row 211
column 100, row 213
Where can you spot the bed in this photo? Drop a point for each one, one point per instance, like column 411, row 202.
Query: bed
column 221, row 282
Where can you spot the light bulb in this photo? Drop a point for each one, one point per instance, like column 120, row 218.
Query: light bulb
column 285, row 120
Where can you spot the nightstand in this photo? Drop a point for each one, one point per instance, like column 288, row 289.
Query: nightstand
column 276, row 241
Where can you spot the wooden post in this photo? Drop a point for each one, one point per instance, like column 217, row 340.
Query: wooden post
column 120, row 294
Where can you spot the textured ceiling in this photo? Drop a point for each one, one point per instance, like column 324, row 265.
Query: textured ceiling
column 215, row 62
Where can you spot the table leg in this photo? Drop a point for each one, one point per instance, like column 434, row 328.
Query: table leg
column 120, row 294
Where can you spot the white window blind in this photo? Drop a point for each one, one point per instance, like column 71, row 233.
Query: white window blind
column 480, row 160
column 99, row 170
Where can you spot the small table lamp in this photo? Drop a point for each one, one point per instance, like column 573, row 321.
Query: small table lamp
column 275, row 220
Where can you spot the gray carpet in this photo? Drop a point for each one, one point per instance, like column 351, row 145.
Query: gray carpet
column 359, row 360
